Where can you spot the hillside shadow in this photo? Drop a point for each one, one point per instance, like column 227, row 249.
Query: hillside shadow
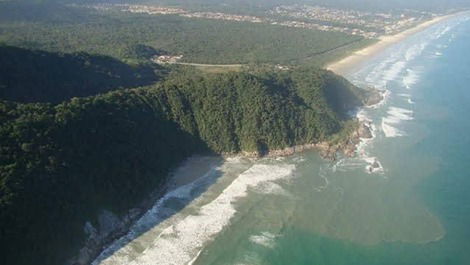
column 130, row 167
column 173, row 200
column 38, row 76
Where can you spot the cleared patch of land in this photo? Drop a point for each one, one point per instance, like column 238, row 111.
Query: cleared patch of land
column 216, row 68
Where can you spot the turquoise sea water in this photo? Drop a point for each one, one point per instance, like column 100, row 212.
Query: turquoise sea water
column 414, row 209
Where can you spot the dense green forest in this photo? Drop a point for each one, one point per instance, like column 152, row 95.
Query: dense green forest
column 38, row 76
column 88, row 123
column 53, row 178
column 59, row 28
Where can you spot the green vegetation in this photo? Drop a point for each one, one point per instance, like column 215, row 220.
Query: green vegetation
column 37, row 76
column 77, row 137
column 61, row 164
column 119, row 35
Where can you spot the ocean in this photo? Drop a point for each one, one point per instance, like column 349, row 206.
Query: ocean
column 412, row 207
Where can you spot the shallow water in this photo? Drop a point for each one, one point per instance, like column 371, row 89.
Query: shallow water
column 413, row 209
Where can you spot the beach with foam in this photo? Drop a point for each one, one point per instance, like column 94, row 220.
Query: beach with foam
column 393, row 67
column 352, row 62
column 185, row 236
column 244, row 211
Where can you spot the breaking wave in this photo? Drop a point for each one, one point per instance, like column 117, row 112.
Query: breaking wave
column 415, row 51
column 411, row 78
column 393, row 72
column 264, row 239
column 395, row 116
column 390, row 131
column 181, row 241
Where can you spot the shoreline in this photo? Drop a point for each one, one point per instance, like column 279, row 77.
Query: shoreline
column 326, row 149
column 198, row 166
column 195, row 168
column 119, row 226
column 346, row 65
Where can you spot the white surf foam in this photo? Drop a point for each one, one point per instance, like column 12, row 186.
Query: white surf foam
column 376, row 76
column 405, row 95
column 370, row 164
column 395, row 116
column 264, row 239
column 361, row 115
column 181, row 241
column 398, row 114
column 415, row 51
column 411, row 78
column 441, row 32
column 348, row 164
column 374, row 165
column 442, row 46
column 298, row 159
column 392, row 68
column 152, row 217
column 271, row 188
column 387, row 71
column 390, row 131
column 393, row 72
column 363, row 160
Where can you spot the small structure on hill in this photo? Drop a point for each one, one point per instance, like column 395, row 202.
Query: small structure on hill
column 166, row 59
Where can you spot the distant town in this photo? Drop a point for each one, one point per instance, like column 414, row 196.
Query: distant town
column 365, row 24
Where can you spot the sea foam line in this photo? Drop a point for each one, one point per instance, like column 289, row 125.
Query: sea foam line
column 152, row 217
column 265, row 239
column 390, row 131
column 396, row 115
column 411, row 78
column 394, row 71
column 373, row 165
column 390, row 69
column 180, row 242
column 407, row 97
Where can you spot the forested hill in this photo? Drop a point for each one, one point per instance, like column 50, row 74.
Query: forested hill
column 62, row 164
column 39, row 76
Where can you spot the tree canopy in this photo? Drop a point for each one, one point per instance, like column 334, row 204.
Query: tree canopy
column 60, row 164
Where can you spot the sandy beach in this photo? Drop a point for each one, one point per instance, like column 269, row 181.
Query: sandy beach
column 343, row 66
column 190, row 171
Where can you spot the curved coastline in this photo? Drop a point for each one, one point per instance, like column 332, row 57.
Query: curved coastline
column 351, row 62
column 345, row 66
